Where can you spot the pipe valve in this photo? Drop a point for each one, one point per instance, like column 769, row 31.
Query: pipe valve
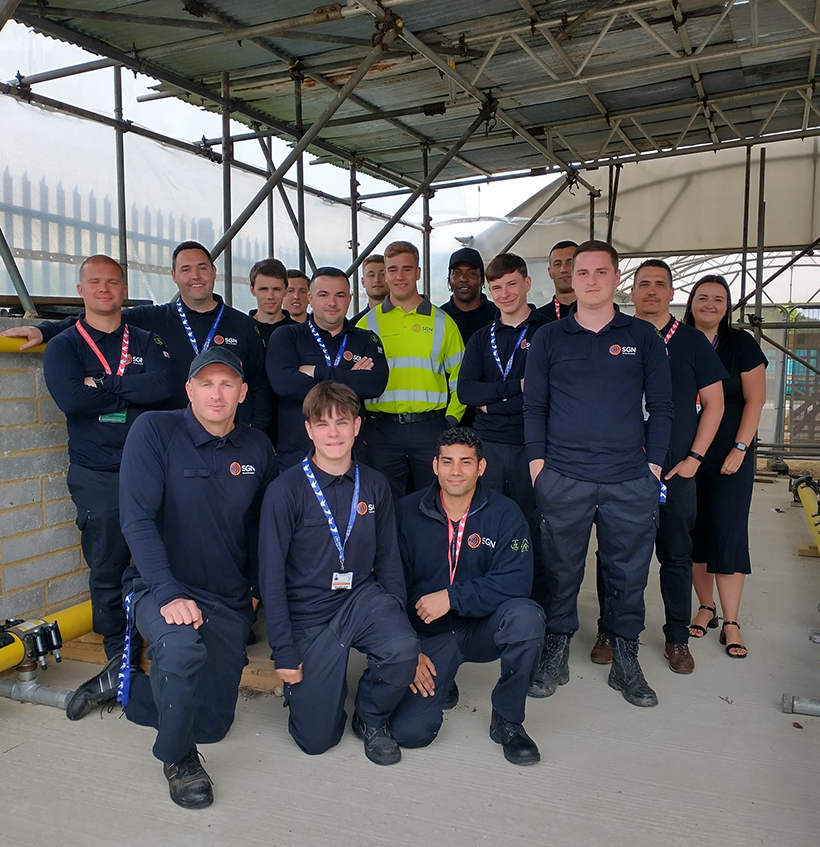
column 39, row 638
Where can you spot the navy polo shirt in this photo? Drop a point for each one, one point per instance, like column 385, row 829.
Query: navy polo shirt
column 294, row 346
column 583, row 394
column 267, row 329
column 482, row 383
column 297, row 555
column 359, row 315
column 469, row 322
column 694, row 364
column 94, row 442
column 495, row 563
column 554, row 311
column 236, row 331
column 189, row 508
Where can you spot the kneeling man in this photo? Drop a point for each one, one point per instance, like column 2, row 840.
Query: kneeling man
column 191, row 486
column 332, row 579
column 470, row 600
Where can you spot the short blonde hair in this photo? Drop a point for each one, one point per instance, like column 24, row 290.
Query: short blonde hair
column 396, row 248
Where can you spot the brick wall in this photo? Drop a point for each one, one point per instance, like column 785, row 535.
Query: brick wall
column 41, row 566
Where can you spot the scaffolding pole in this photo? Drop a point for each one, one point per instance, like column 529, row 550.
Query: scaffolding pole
column 267, row 146
column 286, row 202
column 119, row 135
column 531, row 222
column 304, row 142
column 761, row 241
column 227, row 144
column 591, row 216
column 426, row 224
column 7, row 8
column 300, row 170
column 354, row 232
column 747, row 188
column 485, row 112
column 16, row 277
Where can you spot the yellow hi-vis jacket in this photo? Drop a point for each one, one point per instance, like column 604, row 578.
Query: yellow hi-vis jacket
column 424, row 351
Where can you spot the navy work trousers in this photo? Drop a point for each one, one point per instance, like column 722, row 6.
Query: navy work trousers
column 96, row 497
column 624, row 514
column 190, row 695
column 514, row 633
column 372, row 622
column 403, row 452
column 508, row 471
column 673, row 548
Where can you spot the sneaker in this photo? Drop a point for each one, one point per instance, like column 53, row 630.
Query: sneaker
column 97, row 691
column 188, row 783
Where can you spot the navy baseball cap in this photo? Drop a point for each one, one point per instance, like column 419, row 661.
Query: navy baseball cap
column 467, row 256
column 216, row 355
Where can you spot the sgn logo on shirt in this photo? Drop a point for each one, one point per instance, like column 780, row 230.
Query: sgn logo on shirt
column 475, row 540
column 221, row 339
column 363, row 508
column 236, row 469
column 617, row 350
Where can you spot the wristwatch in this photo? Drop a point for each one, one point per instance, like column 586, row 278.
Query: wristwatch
column 741, row 446
column 98, row 380
column 694, row 455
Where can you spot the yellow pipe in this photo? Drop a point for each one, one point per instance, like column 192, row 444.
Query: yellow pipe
column 808, row 498
column 74, row 622
column 12, row 345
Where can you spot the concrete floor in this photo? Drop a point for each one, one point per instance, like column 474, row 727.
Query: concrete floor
column 716, row 763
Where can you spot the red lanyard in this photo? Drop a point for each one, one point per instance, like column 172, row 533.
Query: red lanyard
column 96, row 350
column 672, row 330
column 557, row 308
column 454, row 550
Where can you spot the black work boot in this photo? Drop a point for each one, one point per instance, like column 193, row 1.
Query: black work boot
column 553, row 669
column 519, row 748
column 97, row 691
column 451, row 700
column 626, row 675
column 379, row 745
column 188, row 783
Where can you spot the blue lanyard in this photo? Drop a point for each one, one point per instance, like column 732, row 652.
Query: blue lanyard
column 211, row 333
column 124, row 674
column 505, row 371
column 323, row 347
column 331, row 521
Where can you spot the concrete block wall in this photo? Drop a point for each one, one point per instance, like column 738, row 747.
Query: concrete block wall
column 41, row 565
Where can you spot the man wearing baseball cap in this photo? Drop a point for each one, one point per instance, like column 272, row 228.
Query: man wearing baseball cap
column 191, row 489
column 468, row 306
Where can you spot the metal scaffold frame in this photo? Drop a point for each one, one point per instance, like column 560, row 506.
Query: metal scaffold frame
column 464, row 60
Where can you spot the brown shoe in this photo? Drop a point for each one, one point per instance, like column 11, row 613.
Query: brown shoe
column 601, row 653
column 680, row 659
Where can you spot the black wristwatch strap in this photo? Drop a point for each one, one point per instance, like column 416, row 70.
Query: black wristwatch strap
column 694, row 455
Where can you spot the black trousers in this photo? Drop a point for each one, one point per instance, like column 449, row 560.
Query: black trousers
column 190, row 695
column 403, row 452
column 624, row 514
column 508, row 471
column 514, row 633
column 372, row 622
column 96, row 497
column 673, row 547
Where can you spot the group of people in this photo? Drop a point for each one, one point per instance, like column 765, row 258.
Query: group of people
column 436, row 475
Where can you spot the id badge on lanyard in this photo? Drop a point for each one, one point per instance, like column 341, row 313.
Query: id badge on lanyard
column 125, row 359
column 341, row 580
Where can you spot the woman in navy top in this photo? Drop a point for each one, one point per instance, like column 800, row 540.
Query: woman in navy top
column 721, row 534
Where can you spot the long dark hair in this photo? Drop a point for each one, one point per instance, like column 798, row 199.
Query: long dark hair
column 725, row 326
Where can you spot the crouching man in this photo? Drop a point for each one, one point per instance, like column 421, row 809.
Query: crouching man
column 191, row 486
column 467, row 559
column 332, row 580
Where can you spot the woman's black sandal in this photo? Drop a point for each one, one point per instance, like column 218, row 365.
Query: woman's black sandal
column 730, row 647
column 713, row 624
